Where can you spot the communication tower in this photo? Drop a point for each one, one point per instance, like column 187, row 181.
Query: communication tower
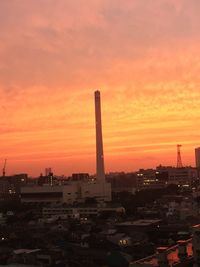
column 179, row 161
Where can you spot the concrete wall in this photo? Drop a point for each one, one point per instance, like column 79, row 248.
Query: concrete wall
column 100, row 190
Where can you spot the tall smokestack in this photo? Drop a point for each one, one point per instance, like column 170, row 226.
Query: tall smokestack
column 99, row 140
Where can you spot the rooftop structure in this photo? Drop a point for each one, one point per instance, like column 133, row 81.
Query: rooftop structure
column 179, row 255
column 185, row 253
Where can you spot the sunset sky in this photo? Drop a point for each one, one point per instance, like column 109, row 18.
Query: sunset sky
column 144, row 57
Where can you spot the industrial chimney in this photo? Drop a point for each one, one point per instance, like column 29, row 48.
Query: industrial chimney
column 100, row 172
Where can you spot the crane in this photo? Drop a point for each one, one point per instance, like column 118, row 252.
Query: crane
column 4, row 168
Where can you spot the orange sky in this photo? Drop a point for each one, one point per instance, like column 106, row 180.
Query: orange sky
column 143, row 57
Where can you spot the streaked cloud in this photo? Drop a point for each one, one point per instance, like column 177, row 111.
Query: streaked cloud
column 144, row 58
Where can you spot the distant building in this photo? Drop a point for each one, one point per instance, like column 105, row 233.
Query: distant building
column 183, row 177
column 48, row 178
column 197, row 160
column 10, row 186
column 80, row 177
column 151, row 179
column 163, row 176
column 48, row 171
column 197, row 157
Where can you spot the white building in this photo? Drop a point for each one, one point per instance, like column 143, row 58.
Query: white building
column 69, row 193
column 99, row 190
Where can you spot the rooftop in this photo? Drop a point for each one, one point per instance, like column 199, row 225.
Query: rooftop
column 140, row 222
column 172, row 256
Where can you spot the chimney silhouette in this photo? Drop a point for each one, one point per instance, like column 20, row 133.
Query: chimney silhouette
column 100, row 172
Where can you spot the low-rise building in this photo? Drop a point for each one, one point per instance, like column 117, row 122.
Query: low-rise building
column 184, row 209
column 79, row 211
column 179, row 255
column 68, row 193
column 184, row 254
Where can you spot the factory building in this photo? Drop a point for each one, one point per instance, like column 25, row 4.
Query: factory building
column 67, row 193
column 80, row 187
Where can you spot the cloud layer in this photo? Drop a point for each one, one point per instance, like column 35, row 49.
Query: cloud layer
column 144, row 58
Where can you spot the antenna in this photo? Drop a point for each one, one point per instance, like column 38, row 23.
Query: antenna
column 179, row 161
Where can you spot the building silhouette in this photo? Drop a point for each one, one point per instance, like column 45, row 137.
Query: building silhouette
column 100, row 172
column 197, row 157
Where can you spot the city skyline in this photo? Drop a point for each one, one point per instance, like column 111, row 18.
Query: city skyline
column 143, row 58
